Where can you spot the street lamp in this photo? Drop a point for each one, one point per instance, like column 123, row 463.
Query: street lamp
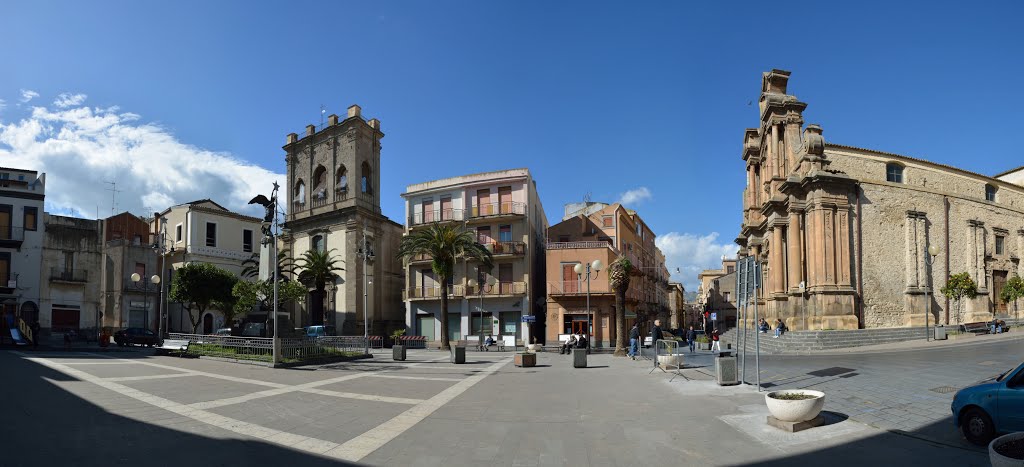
column 160, row 246
column 488, row 285
column 596, row 266
column 933, row 251
column 366, row 253
column 136, row 278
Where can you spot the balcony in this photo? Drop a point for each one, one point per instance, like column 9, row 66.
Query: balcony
column 506, row 248
column 501, row 289
column 437, row 215
column 11, row 237
column 431, row 293
column 577, row 245
column 69, row 275
column 577, row 287
column 490, row 210
column 421, row 258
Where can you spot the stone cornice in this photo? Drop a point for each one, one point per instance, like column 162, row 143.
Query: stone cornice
column 916, row 215
column 1000, row 230
column 975, row 223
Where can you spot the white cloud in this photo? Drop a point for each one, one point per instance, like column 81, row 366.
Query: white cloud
column 27, row 95
column 693, row 254
column 66, row 100
column 81, row 148
column 635, row 196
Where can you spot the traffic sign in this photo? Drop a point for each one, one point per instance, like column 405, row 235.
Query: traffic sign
column 714, row 316
column 529, row 318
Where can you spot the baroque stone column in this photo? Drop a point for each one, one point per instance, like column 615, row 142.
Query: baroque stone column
column 795, row 250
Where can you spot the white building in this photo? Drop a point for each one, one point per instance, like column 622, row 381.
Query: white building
column 21, row 242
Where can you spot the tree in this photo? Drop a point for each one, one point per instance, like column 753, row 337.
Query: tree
column 249, row 294
column 444, row 243
column 1013, row 290
column 318, row 267
column 618, row 274
column 958, row 287
column 285, row 265
column 197, row 286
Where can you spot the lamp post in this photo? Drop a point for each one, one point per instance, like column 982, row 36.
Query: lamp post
column 596, row 266
column 488, row 284
column 933, row 251
column 137, row 279
column 160, row 246
column 366, row 253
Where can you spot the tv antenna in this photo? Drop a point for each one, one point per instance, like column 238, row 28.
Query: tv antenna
column 113, row 196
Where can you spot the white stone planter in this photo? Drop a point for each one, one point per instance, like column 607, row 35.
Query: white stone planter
column 999, row 460
column 795, row 410
column 670, row 361
column 532, row 348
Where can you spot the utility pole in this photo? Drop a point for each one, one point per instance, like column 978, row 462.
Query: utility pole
column 113, row 196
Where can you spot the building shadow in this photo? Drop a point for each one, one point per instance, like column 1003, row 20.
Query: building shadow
column 46, row 425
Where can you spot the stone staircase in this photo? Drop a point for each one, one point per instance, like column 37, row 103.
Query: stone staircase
column 813, row 341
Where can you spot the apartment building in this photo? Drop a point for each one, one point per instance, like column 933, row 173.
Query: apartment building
column 128, row 249
column 72, row 261
column 505, row 213
column 600, row 231
column 21, row 240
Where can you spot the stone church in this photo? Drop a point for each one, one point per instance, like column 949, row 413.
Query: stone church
column 333, row 201
column 843, row 232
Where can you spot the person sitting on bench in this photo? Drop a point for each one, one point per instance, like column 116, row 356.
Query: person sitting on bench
column 568, row 345
column 582, row 342
column 488, row 342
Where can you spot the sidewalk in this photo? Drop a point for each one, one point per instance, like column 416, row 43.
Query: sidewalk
column 954, row 340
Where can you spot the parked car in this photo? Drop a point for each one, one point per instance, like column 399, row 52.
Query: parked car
column 991, row 407
column 136, row 336
column 222, row 332
column 320, row 331
column 666, row 336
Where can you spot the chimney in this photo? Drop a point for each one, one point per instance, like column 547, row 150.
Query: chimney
column 332, row 119
column 375, row 124
column 310, row 130
column 291, row 138
column 353, row 111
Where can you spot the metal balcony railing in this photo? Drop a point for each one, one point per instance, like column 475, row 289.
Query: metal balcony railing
column 341, row 194
column 497, row 209
column 576, row 245
column 418, row 293
column 506, row 248
column 69, row 275
column 500, row 288
column 579, row 287
column 437, row 215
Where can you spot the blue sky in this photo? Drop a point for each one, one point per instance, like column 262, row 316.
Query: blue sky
column 181, row 100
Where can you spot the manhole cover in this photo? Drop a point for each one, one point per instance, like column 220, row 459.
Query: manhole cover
column 944, row 389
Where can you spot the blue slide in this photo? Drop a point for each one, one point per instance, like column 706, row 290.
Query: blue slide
column 18, row 338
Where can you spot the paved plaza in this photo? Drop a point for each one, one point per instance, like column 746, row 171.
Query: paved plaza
column 136, row 408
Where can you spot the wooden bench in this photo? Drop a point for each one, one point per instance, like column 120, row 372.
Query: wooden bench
column 175, row 345
column 977, row 328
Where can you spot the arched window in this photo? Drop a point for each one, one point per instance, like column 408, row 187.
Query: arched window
column 342, row 179
column 300, row 192
column 318, row 243
column 990, row 193
column 894, row 172
column 366, row 179
column 320, row 182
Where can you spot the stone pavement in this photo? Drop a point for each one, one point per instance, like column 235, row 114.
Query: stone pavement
column 136, row 408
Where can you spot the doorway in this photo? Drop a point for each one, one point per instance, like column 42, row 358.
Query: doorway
column 208, row 323
column 426, row 326
column 998, row 283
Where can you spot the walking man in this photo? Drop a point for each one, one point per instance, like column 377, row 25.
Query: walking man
column 691, row 337
column 634, row 336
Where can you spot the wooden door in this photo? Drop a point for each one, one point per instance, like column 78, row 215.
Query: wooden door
column 505, row 278
column 428, row 211
column 427, row 283
column 446, row 209
column 483, row 235
column 483, row 202
column 998, row 283
column 505, row 199
column 570, row 281
column 5, row 223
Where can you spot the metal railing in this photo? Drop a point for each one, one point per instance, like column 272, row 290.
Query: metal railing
column 317, row 201
column 501, row 288
column 340, row 194
column 577, row 245
column 259, row 349
column 69, row 275
column 579, row 287
column 432, row 292
column 11, row 233
column 497, row 209
column 437, row 215
column 296, row 350
column 507, row 248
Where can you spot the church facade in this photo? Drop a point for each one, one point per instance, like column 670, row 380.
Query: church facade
column 843, row 232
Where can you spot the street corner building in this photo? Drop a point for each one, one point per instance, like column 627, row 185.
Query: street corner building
column 843, row 233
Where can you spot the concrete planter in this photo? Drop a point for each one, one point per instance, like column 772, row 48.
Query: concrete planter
column 458, row 355
column 670, row 361
column 533, row 348
column 940, row 333
column 526, row 359
column 398, row 353
column 795, row 410
column 999, row 460
column 579, row 358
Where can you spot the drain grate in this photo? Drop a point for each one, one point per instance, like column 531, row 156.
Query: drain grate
column 943, row 389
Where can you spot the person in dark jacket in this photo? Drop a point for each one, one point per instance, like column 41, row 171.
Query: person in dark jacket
column 656, row 332
column 691, row 337
column 634, row 337
column 35, row 333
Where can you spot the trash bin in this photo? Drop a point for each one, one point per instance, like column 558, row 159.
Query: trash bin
column 398, row 353
column 940, row 333
column 458, row 355
column 579, row 358
column 725, row 370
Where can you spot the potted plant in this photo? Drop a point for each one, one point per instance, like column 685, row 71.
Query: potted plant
column 704, row 342
column 398, row 350
column 795, row 405
column 534, row 347
column 1007, row 450
column 666, row 361
column 526, row 359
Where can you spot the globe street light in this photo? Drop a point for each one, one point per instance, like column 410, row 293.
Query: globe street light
column 136, row 278
column 488, row 284
column 933, row 251
column 596, row 266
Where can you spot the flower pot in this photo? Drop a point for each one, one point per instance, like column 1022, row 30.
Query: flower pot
column 533, row 348
column 526, row 359
column 795, row 410
column 1002, row 460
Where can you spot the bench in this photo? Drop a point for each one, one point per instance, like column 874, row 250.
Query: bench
column 175, row 345
column 977, row 328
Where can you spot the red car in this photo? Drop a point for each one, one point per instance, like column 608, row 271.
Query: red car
column 136, row 336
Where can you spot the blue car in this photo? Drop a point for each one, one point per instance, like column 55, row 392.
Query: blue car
column 991, row 407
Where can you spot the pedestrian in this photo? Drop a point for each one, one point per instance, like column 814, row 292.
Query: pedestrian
column 568, row 345
column 67, row 340
column 691, row 337
column 634, row 336
column 714, row 341
column 582, row 342
column 780, row 327
column 35, row 333
column 763, row 326
column 656, row 333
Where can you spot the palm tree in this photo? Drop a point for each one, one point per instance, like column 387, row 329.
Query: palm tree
column 285, row 265
column 318, row 267
column 618, row 275
column 444, row 243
